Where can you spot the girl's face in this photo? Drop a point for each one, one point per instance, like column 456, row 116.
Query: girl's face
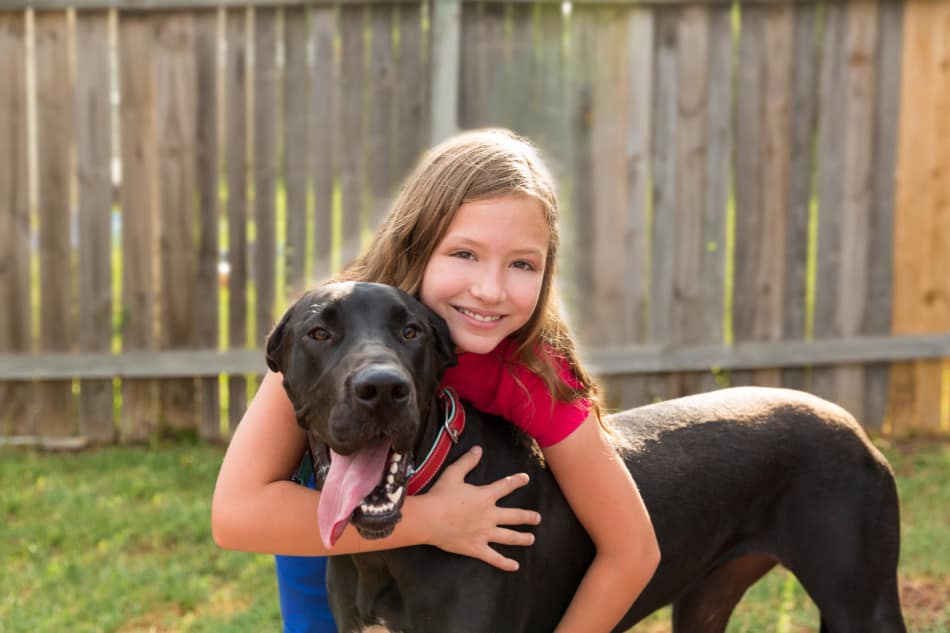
column 484, row 277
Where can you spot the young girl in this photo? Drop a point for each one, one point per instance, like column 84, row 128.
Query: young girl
column 473, row 234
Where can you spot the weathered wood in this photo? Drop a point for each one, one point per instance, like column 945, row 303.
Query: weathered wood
column 472, row 84
column 444, row 56
column 352, row 175
column 609, row 321
column 719, row 158
column 265, row 166
column 296, row 145
column 325, row 82
column 380, row 98
column 237, row 173
column 690, row 285
column 801, row 182
column 151, row 5
column 94, row 161
column 663, row 233
column 522, row 75
column 411, row 133
column 56, row 413
column 138, row 199
column 617, row 359
column 877, row 318
column 576, row 270
column 173, row 59
column 921, row 225
column 207, row 29
column 635, row 390
column 830, row 169
column 16, row 399
column 855, row 211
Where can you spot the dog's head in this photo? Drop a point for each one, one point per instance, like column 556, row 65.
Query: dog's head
column 361, row 363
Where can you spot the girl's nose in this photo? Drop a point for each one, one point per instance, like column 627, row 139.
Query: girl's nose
column 489, row 288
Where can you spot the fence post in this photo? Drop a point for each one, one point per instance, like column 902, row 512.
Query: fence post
column 446, row 28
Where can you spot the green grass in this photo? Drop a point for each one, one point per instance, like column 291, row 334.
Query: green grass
column 118, row 539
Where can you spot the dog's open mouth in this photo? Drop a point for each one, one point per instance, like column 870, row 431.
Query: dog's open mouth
column 368, row 488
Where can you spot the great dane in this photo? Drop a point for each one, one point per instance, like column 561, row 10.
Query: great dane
column 736, row 481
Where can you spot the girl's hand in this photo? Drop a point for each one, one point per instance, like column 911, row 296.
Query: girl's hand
column 465, row 518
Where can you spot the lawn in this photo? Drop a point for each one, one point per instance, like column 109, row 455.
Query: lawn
column 118, row 539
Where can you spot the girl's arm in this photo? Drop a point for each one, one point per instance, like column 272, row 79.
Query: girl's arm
column 605, row 498
column 256, row 508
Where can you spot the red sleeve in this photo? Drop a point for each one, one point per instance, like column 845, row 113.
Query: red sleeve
column 485, row 382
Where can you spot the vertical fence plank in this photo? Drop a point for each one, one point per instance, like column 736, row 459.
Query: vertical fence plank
column 265, row 160
column 663, row 226
column 94, row 161
column 138, row 198
column 631, row 391
column 831, row 126
column 16, row 398
column 296, row 141
column 489, row 107
column 718, row 166
column 207, row 286
column 352, row 174
column 54, row 123
column 693, row 290
column 473, row 83
column 176, row 87
column 521, row 72
column 856, row 195
column 877, row 318
column 325, row 81
column 921, row 296
column 380, row 101
column 576, row 271
column 801, row 179
column 412, row 91
column 762, row 169
column 610, row 322
column 236, row 170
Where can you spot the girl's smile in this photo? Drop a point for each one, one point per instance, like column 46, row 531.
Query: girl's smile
column 484, row 277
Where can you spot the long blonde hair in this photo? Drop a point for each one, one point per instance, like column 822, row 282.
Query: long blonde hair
column 477, row 165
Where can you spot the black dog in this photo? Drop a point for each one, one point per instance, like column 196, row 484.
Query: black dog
column 736, row 481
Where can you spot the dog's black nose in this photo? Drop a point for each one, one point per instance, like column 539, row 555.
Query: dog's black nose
column 381, row 386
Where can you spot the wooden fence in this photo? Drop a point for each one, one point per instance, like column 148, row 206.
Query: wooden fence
column 752, row 194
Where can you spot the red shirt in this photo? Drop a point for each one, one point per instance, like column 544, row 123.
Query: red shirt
column 489, row 384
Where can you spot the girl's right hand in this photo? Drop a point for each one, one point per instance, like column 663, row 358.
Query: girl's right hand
column 465, row 518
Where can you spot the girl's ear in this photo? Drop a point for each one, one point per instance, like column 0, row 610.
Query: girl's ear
column 274, row 349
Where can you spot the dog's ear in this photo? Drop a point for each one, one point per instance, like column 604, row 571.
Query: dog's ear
column 274, row 349
column 444, row 347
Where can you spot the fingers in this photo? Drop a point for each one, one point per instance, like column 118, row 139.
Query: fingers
column 517, row 516
column 464, row 464
column 506, row 485
column 495, row 559
column 503, row 536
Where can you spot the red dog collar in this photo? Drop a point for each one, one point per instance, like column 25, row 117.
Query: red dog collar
column 449, row 434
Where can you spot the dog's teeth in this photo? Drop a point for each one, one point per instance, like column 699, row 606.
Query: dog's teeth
column 390, row 479
column 397, row 457
column 393, row 468
column 396, row 495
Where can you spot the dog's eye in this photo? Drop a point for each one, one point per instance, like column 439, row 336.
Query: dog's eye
column 410, row 331
column 320, row 334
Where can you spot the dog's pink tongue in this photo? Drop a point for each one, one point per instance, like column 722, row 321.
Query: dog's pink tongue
column 350, row 479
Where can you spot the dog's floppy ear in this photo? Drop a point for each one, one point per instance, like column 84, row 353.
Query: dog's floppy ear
column 444, row 347
column 274, row 353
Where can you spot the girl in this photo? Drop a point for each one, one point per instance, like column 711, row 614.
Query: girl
column 473, row 234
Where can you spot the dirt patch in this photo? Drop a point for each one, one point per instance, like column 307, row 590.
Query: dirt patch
column 924, row 600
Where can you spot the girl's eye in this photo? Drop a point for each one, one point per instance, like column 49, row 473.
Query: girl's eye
column 464, row 254
column 411, row 331
column 523, row 265
column 320, row 334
